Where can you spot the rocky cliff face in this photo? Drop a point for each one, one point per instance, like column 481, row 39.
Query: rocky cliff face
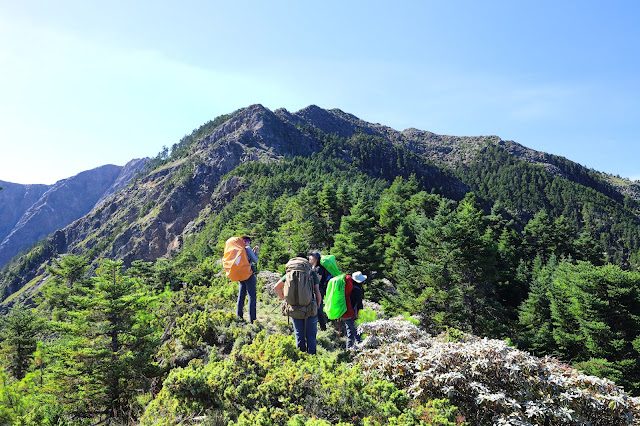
column 38, row 210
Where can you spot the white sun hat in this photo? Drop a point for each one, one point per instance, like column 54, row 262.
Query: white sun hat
column 358, row 277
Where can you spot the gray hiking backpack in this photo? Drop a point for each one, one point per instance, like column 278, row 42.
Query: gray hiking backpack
column 299, row 295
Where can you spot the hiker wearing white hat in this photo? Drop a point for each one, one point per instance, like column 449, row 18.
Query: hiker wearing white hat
column 353, row 292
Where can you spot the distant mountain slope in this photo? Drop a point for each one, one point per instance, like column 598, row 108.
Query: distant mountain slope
column 150, row 218
column 15, row 200
column 42, row 209
column 493, row 167
column 454, row 151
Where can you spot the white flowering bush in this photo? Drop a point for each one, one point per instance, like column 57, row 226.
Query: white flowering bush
column 383, row 331
column 489, row 381
column 375, row 307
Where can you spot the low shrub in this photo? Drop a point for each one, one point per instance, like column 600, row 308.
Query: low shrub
column 270, row 382
column 367, row 315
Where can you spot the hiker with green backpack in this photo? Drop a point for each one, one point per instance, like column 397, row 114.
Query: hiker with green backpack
column 344, row 298
column 299, row 290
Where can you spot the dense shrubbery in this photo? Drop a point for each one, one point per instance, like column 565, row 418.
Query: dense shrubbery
column 489, row 381
column 270, row 381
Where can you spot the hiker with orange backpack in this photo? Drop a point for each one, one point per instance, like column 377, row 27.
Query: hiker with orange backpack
column 240, row 265
column 299, row 289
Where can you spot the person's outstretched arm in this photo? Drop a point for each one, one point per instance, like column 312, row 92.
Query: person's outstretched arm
column 251, row 255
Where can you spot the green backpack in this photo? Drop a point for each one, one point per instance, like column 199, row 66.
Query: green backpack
column 335, row 303
column 329, row 263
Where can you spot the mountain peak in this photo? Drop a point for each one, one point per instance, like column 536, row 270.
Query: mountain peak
column 330, row 121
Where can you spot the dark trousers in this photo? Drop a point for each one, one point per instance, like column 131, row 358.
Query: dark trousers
column 352, row 333
column 305, row 331
column 245, row 287
column 322, row 317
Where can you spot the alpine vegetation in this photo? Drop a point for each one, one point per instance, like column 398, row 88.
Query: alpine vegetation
column 247, row 275
column 490, row 381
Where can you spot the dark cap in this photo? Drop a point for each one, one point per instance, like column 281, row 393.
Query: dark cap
column 315, row 254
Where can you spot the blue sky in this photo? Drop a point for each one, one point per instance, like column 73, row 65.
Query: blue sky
column 87, row 83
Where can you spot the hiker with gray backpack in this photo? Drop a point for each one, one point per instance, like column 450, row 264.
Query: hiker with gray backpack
column 299, row 290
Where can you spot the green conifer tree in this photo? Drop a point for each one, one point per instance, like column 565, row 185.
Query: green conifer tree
column 357, row 245
column 69, row 283
column 19, row 331
column 457, row 256
column 535, row 312
column 108, row 356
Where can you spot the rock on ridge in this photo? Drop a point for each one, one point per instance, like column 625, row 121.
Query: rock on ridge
column 332, row 121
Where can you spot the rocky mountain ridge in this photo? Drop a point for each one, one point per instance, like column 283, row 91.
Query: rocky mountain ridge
column 455, row 151
column 176, row 193
column 150, row 218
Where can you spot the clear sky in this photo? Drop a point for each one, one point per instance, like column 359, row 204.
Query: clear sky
column 85, row 83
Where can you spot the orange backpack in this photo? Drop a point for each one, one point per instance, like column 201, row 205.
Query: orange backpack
column 235, row 261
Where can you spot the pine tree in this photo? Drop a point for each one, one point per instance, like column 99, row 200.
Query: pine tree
column 69, row 283
column 457, row 256
column 357, row 245
column 123, row 344
column 535, row 313
column 587, row 248
column 19, row 331
column 327, row 208
column 108, row 355
column 539, row 236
